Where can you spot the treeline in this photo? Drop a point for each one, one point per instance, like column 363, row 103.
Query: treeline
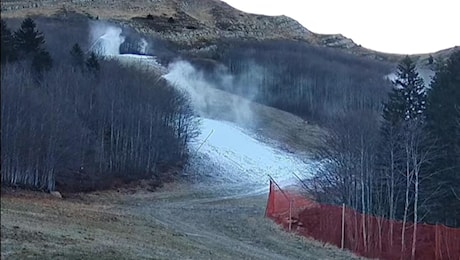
column 403, row 165
column 313, row 82
column 79, row 123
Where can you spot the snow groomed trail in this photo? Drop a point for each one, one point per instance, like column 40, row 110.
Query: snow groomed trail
column 227, row 156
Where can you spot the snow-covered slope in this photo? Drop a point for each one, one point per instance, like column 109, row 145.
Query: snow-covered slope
column 142, row 62
column 229, row 156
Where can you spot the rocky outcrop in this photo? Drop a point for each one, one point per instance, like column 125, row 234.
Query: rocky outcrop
column 194, row 24
column 337, row 41
column 222, row 23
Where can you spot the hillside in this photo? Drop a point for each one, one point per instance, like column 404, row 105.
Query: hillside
column 200, row 103
column 197, row 24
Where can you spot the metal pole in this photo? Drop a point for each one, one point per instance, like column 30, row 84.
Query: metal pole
column 300, row 180
column 436, row 239
column 286, row 196
column 206, row 139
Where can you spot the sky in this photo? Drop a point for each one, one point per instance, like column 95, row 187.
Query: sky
column 394, row 26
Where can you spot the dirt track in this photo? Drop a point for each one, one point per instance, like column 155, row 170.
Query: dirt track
column 176, row 222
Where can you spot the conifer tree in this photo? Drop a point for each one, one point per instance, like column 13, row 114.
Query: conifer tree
column 77, row 56
column 412, row 90
column 402, row 119
column 30, row 44
column 442, row 123
column 407, row 99
column 92, row 63
column 28, row 39
column 8, row 52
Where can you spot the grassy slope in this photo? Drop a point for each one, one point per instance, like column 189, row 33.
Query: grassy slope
column 173, row 223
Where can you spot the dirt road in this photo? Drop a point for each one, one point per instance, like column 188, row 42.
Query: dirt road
column 176, row 222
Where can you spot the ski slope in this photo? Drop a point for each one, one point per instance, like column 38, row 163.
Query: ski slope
column 228, row 156
column 224, row 156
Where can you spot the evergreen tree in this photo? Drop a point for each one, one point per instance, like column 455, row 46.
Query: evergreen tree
column 29, row 42
column 394, row 109
column 77, row 56
column 28, row 39
column 402, row 119
column 412, row 90
column 442, row 121
column 92, row 63
column 8, row 52
column 407, row 99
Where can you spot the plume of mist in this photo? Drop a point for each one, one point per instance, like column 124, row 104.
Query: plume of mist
column 201, row 87
column 106, row 40
column 207, row 100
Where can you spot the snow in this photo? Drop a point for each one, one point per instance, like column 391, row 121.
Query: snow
column 232, row 157
column 224, row 156
column 142, row 62
column 425, row 74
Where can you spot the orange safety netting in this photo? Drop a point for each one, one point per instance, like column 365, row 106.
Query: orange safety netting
column 365, row 235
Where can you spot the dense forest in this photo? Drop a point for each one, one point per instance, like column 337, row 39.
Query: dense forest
column 73, row 121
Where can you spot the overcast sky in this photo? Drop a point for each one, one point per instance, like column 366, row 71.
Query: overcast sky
column 396, row 26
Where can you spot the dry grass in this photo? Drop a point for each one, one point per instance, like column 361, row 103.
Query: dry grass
column 173, row 223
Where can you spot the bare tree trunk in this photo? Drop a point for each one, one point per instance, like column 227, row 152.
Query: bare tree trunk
column 406, row 205
column 363, row 204
column 414, row 236
column 392, row 196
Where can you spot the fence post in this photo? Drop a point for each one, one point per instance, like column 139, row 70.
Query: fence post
column 290, row 215
column 343, row 226
column 436, row 239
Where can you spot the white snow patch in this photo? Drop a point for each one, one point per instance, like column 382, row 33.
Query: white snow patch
column 142, row 62
column 232, row 158
column 425, row 74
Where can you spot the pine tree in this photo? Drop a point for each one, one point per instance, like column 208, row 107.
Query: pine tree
column 442, row 123
column 412, row 89
column 402, row 119
column 30, row 44
column 28, row 40
column 8, row 52
column 394, row 109
column 92, row 63
column 77, row 56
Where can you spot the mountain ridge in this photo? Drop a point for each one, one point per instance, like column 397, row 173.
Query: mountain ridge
column 196, row 24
